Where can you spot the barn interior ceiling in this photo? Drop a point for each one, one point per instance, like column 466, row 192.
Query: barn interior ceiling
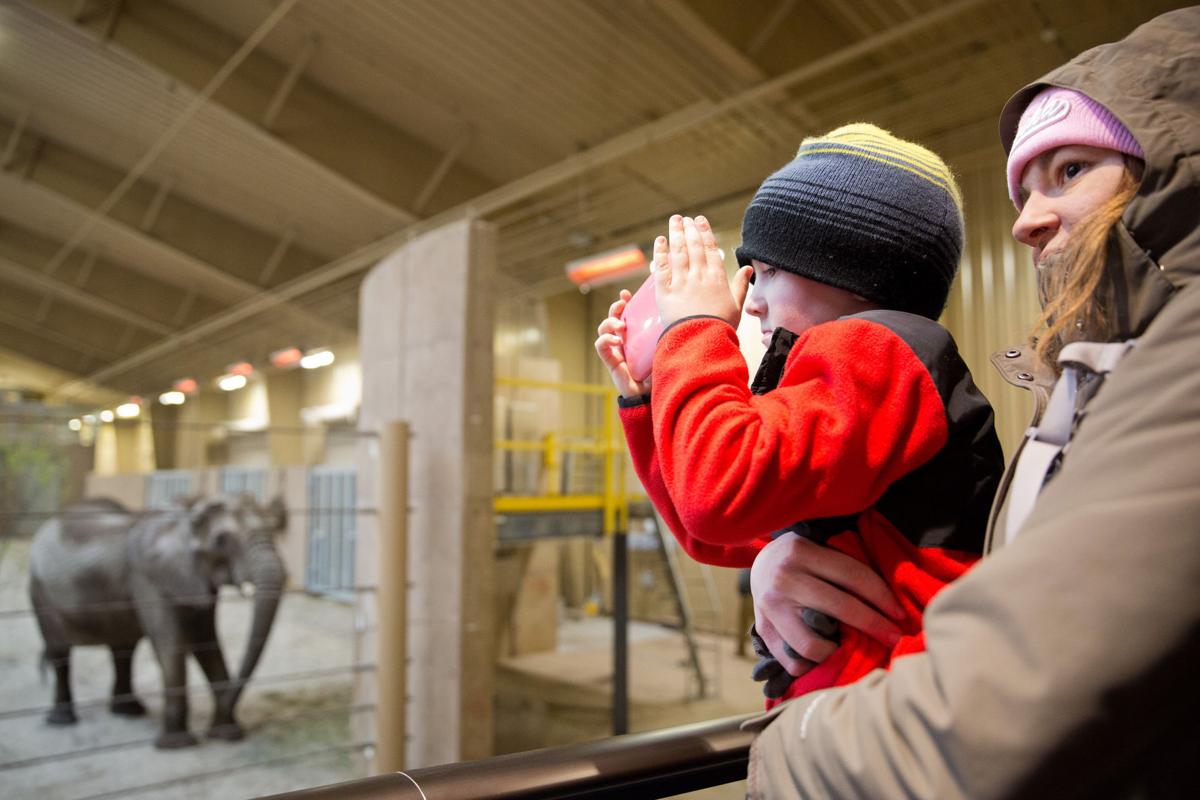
column 186, row 183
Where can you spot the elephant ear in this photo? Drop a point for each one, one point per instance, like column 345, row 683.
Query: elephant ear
column 200, row 511
column 168, row 553
column 275, row 515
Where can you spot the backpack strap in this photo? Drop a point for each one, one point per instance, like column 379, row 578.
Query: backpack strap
column 1045, row 442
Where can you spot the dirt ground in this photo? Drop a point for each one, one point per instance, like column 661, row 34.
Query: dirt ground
column 296, row 710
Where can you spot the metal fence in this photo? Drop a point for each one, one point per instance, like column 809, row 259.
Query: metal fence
column 306, row 720
column 298, row 712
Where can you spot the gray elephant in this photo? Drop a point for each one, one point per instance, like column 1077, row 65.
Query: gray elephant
column 102, row 574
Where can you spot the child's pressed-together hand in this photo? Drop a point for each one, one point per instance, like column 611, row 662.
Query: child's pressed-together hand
column 690, row 274
column 610, row 346
column 689, row 281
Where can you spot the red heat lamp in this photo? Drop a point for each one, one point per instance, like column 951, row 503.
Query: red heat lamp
column 286, row 358
column 607, row 267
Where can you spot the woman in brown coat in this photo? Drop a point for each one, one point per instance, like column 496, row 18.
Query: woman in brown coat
column 1065, row 663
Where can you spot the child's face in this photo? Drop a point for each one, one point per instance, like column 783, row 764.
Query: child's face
column 782, row 299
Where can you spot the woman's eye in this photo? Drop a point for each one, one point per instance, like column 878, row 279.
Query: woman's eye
column 1072, row 169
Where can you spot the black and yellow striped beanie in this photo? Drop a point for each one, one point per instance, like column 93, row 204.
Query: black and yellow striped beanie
column 864, row 211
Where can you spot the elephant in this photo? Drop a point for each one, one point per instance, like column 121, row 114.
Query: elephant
column 101, row 574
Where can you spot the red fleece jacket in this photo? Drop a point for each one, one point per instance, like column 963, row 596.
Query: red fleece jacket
column 855, row 410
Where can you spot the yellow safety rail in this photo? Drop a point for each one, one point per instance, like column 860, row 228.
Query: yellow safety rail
column 613, row 501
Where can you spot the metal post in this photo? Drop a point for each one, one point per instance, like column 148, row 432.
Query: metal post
column 391, row 596
column 620, row 553
column 620, row 580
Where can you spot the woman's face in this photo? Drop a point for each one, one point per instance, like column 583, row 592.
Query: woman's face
column 782, row 299
column 1061, row 187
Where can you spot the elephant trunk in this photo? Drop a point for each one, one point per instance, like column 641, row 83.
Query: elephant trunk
column 265, row 570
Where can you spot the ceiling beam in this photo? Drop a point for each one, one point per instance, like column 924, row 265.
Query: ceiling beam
column 14, row 273
column 618, row 147
column 77, row 344
column 737, row 63
column 14, row 138
column 220, row 157
column 166, row 137
column 289, row 81
column 51, row 214
column 767, row 29
column 34, row 348
column 440, row 172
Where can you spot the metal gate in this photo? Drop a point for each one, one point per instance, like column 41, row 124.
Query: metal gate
column 331, row 531
column 248, row 480
column 166, row 486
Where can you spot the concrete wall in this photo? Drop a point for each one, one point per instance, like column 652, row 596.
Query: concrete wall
column 426, row 351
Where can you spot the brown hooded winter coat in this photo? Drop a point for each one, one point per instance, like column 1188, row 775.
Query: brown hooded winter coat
column 1067, row 664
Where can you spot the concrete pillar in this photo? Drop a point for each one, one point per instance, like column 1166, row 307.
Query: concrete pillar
column 285, row 398
column 165, row 430
column 127, row 433
column 196, row 420
column 425, row 334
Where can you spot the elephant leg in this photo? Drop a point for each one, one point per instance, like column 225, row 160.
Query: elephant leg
column 207, row 650
column 63, row 712
column 57, row 654
column 161, row 620
column 123, row 702
column 172, row 658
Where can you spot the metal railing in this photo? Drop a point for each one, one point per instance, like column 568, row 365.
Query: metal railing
column 612, row 501
column 653, row 764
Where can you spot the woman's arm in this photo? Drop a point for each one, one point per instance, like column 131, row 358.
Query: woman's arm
column 1063, row 665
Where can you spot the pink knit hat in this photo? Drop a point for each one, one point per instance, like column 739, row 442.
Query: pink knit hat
column 1057, row 117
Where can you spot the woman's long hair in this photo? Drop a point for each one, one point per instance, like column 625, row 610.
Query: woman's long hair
column 1076, row 299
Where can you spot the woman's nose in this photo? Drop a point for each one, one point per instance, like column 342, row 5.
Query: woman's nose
column 1037, row 222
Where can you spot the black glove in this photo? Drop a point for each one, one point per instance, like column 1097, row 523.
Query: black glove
column 776, row 679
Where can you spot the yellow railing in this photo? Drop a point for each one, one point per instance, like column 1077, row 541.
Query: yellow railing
column 613, row 500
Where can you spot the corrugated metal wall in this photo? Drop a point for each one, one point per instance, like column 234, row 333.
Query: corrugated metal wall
column 994, row 300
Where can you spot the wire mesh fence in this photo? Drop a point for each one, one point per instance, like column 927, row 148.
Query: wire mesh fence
column 306, row 713
column 298, row 713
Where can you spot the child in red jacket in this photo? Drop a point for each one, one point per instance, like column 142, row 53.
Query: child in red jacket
column 862, row 433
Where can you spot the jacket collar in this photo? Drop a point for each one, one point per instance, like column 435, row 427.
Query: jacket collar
column 770, row 369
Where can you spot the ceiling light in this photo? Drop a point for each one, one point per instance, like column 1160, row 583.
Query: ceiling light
column 106, row 415
column 75, row 425
column 315, row 359
column 128, row 410
column 240, row 368
column 172, row 398
column 90, row 419
column 286, row 358
column 230, row 383
column 186, row 385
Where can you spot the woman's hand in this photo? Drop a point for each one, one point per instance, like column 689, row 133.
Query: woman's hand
column 791, row 574
column 690, row 274
column 610, row 346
